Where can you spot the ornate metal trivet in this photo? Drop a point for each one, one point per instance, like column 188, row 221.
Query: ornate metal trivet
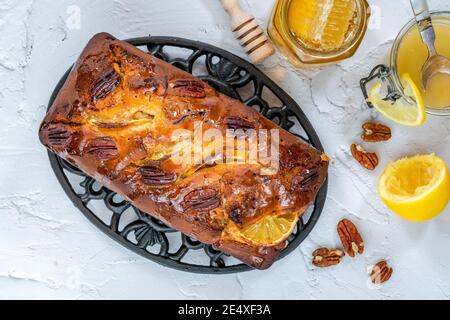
column 149, row 237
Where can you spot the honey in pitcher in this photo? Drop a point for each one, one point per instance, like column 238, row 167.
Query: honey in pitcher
column 412, row 54
column 318, row 31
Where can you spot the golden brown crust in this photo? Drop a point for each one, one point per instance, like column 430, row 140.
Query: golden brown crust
column 114, row 117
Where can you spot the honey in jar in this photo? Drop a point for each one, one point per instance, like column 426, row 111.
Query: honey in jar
column 310, row 32
column 412, row 54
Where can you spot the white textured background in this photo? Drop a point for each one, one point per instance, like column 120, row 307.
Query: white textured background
column 46, row 245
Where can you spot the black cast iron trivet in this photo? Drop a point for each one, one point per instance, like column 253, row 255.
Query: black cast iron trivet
column 149, row 237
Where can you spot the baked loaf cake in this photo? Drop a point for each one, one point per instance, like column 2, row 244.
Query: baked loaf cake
column 114, row 119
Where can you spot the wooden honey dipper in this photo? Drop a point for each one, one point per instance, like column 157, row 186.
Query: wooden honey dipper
column 252, row 38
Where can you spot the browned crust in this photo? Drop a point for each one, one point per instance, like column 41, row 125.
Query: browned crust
column 90, row 126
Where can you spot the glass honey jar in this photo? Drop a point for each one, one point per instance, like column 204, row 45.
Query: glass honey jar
column 312, row 32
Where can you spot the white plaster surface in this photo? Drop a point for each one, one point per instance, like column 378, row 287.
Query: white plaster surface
column 48, row 249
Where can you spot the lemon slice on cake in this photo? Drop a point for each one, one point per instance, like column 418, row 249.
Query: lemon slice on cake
column 416, row 188
column 408, row 112
column 269, row 230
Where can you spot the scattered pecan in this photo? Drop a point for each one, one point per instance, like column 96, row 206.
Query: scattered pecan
column 375, row 132
column 305, row 180
column 368, row 160
column 350, row 237
column 324, row 257
column 238, row 123
column 103, row 148
column 188, row 88
column 154, row 176
column 58, row 136
column 381, row 272
column 201, row 200
column 107, row 83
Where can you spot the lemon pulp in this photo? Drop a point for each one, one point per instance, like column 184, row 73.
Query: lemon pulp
column 416, row 188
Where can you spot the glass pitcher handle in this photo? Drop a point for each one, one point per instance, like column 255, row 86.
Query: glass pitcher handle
column 383, row 73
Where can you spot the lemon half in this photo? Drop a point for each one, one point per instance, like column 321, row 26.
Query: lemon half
column 416, row 188
column 401, row 111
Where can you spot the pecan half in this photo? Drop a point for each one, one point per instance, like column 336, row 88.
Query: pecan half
column 350, row 237
column 305, row 180
column 154, row 176
column 107, row 83
column 58, row 136
column 381, row 272
column 201, row 200
column 325, row 257
column 188, row 88
column 103, row 148
column 375, row 132
column 236, row 123
column 368, row 160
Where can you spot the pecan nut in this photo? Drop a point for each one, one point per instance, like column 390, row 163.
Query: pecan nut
column 107, row 83
column 350, row 237
column 375, row 132
column 154, row 176
column 201, row 200
column 381, row 272
column 188, row 88
column 368, row 160
column 325, row 257
column 236, row 123
column 103, row 148
column 58, row 136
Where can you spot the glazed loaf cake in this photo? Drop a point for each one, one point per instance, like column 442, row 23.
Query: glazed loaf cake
column 114, row 119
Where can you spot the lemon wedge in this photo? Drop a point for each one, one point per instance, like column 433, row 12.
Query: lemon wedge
column 403, row 111
column 270, row 230
column 416, row 188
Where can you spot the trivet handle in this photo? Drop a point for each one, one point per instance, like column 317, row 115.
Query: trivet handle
column 252, row 38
